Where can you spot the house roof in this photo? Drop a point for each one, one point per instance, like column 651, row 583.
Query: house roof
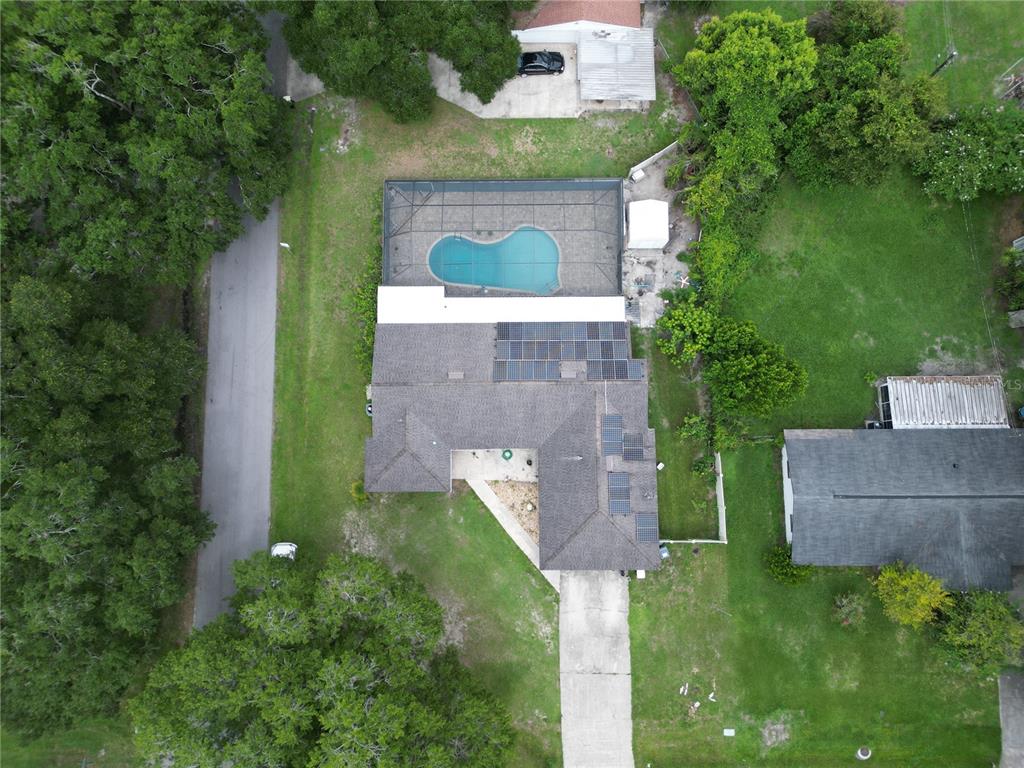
column 421, row 414
column 950, row 502
column 930, row 402
column 617, row 66
column 625, row 13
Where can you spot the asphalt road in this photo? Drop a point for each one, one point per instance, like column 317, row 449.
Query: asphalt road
column 238, row 427
column 239, row 415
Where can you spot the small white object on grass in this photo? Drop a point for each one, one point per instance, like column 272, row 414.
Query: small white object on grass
column 728, row 731
column 661, row 465
column 641, row 574
column 685, row 687
column 711, row 696
column 285, row 245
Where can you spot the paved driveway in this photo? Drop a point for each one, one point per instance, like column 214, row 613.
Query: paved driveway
column 239, row 409
column 534, row 96
column 593, row 628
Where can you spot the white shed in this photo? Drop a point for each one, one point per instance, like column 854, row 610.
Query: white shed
column 648, row 224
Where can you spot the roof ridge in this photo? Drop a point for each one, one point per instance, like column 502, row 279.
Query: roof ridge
column 412, row 451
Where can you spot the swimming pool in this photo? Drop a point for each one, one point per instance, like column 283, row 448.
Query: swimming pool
column 523, row 260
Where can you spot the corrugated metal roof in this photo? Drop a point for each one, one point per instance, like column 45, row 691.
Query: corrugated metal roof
column 930, row 402
column 617, row 66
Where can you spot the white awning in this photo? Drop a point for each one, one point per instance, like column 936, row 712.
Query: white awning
column 648, row 224
column 428, row 304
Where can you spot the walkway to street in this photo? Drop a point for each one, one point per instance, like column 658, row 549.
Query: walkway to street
column 596, row 683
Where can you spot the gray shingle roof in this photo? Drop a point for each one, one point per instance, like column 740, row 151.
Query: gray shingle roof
column 950, row 502
column 421, row 414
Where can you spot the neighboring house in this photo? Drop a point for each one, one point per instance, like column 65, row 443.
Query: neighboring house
column 462, row 362
column 948, row 501
column 615, row 54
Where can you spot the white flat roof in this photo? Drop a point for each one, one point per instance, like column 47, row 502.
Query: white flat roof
column 648, row 224
column 934, row 402
column 428, row 304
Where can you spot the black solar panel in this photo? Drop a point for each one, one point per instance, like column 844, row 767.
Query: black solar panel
column 618, row 479
column 619, row 506
column 646, row 527
column 611, row 435
column 633, row 447
column 618, row 493
column 635, row 370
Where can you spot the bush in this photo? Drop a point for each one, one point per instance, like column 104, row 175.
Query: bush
column 703, row 465
column 909, row 596
column 1010, row 282
column 848, row 609
column 359, row 494
column 695, row 427
column 982, row 630
column 779, row 562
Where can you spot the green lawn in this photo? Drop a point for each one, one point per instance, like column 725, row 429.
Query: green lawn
column 989, row 36
column 686, row 505
column 505, row 616
column 101, row 743
column 771, row 654
column 862, row 282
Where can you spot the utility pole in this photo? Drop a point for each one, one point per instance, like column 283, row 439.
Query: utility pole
column 952, row 55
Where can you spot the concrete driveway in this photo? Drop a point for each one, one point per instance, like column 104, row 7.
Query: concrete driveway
column 596, row 683
column 534, row 96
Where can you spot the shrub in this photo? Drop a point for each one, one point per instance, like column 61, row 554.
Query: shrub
column 703, row 465
column 848, row 609
column 1010, row 282
column 910, row 596
column 695, row 427
column 779, row 562
column 359, row 494
column 982, row 631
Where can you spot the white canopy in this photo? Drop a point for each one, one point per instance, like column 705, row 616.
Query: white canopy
column 648, row 224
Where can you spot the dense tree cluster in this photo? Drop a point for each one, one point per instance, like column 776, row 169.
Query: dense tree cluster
column 862, row 116
column 982, row 631
column 345, row 666
column 745, row 373
column 379, row 49
column 123, row 125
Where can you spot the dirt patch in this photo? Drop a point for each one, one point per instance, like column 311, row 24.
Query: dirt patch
column 360, row 538
column 455, row 621
column 774, row 732
column 522, row 500
column 545, row 629
column 523, row 143
column 1011, row 220
column 946, row 357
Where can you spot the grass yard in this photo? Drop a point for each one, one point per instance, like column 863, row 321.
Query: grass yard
column 989, row 36
column 864, row 282
column 776, row 660
column 100, row 743
column 686, row 503
column 503, row 616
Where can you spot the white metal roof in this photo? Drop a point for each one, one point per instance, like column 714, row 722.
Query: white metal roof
column 929, row 402
column 617, row 65
column 648, row 224
column 428, row 304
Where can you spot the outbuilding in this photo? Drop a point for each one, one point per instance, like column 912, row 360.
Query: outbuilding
column 648, row 225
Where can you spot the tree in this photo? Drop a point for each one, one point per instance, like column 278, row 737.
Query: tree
column 685, row 330
column 982, row 630
column 848, row 22
column 124, row 125
column 341, row 666
column 379, row 49
column 910, row 596
column 748, row 374
column 975, row 151
column 861, row 117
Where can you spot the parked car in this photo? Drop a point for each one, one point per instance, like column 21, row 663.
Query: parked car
column 541, row 63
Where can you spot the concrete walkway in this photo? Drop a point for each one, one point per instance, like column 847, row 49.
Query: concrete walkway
column 596, row 683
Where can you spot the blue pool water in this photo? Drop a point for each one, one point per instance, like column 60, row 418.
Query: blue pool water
column 524, row 260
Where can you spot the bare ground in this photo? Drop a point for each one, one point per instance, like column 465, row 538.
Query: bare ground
column 522, row 500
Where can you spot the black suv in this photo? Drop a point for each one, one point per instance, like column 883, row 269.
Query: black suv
column 541, row 63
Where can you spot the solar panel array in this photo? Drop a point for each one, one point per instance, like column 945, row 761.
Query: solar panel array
column 603, row 345
column 646, row 527
column 633, row 446
column 611, row 435
column 618, row 493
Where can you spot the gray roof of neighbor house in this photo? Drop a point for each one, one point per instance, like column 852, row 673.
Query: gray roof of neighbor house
column 434, row 392
column 950, row 502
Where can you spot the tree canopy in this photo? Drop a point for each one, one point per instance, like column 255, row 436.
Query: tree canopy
column 125, row 123
column 910, row 596
column 983, row 631
column 341, row 666
column 862, row 116
column 379, row 49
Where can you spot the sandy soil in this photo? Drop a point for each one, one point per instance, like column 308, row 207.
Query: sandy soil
column 518, row 496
